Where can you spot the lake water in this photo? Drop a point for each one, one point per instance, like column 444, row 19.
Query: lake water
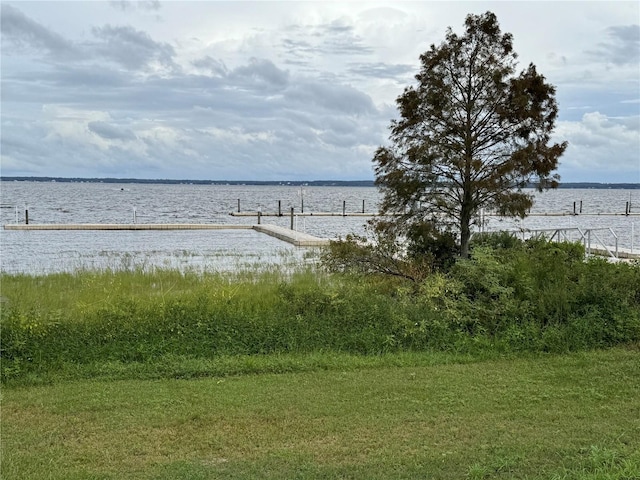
column 54, row 251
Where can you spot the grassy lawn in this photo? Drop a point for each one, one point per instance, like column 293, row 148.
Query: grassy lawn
column 574, row 416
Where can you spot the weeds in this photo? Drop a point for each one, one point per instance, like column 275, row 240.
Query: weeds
column 524, row 297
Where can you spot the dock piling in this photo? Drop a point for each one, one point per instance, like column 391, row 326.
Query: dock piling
column 26, row 216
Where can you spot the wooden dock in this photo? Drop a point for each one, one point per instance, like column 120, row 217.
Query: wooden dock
column 126, row 226
column 569, row 214
column 623, row 253
column 298, row 239
column 303, row 214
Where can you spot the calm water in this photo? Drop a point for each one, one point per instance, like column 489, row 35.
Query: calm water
column 53, row 251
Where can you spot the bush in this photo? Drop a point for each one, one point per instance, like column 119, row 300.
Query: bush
column 531, row 296
column 411, row 255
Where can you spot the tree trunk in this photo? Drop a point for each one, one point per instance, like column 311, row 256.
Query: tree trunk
column 466, row 212
column 465, row 234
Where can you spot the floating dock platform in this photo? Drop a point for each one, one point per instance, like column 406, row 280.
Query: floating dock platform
column 303, row 214
column 125, row 226
column 298, row 239
column 622, row 253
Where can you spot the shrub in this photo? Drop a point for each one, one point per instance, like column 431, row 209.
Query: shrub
column 531, row 296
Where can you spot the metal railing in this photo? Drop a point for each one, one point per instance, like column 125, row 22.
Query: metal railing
column 589, row 237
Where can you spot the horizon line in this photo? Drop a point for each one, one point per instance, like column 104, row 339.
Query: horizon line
column 325, row 182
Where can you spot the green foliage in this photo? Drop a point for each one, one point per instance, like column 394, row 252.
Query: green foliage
column 471, row 134
column 508, row 297
column 496, row 240
column 411, row 255
column 384, row 256
column 429, row 244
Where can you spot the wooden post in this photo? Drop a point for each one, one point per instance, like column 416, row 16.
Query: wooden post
column 238, row 205
column 259, row 216
column 279, row 208
column 574, row 208
column 580, row 206
column 26, row 216
column 344, row 208
column 291, row 218
column 627, row 210
column 362, row 206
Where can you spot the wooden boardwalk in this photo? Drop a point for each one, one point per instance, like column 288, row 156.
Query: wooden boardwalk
column 298, row 239
column 126, row 226
column 623, row 253
column 303, row 214
column 377, row 214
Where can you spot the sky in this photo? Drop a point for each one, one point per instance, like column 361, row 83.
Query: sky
column 213, row 90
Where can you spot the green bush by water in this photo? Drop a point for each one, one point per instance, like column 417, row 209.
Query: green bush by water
column 523, row 297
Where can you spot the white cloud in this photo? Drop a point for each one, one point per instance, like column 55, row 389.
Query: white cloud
column 601, row 148
column 282, row 90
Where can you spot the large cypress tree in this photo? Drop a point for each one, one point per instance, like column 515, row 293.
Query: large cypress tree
column 471, row 134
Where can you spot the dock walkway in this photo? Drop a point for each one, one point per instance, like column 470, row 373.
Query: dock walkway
column 298, row 239
column 622, row 253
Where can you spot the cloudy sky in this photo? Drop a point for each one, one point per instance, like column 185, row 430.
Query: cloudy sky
column 284, row 90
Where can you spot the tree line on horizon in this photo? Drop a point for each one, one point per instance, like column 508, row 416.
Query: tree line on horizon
column 312, row 183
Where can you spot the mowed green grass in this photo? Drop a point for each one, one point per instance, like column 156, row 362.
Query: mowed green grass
column 573, row 416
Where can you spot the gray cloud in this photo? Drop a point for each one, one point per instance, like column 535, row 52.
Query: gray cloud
column 110, row 132
column 262, row 71
column 381, row 70
column 622, row 46
column 256, row 118
column 312, row 103
column 333, row 97
column 302, row 43
column 341, row 39
column 127, row 5
column 213, row 66
column 124, row 5
column 298, row 48
column 133, row 48
column 22, row 32
column 151, row 5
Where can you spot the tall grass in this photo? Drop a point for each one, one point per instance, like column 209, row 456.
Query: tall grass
column 534, row 297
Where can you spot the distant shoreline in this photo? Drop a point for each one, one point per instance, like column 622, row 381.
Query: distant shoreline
column 311, row 183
